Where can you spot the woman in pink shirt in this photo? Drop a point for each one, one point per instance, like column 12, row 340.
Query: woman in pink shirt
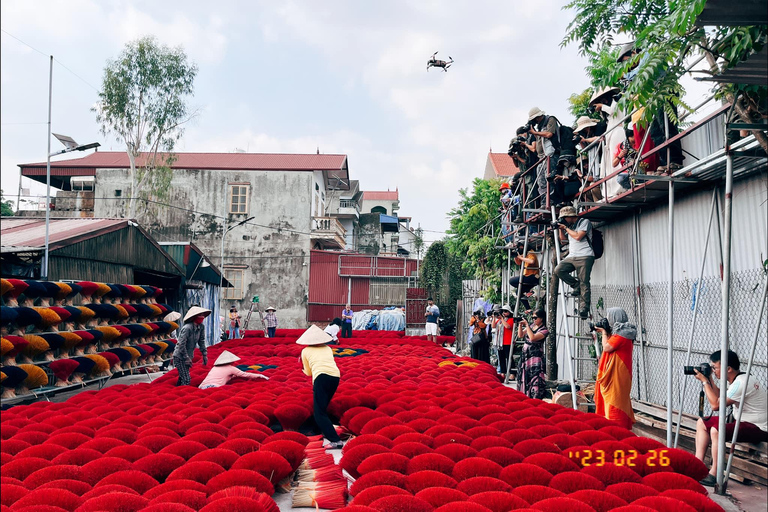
column 223, row 371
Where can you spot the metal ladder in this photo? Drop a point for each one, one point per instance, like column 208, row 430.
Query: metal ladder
column 254, row 302
column 567, row 324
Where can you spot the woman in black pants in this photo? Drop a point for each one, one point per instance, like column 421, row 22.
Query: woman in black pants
column 318, row 363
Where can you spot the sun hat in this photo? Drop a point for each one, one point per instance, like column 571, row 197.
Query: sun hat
column 196, row 310
column 584, row 122
column 626, row 49
column 534, row 113
column 504, row 185
column 602, row 92
column 506, row 307
column 270, row 308
column 567, row 211
column 314, row 336
column 172, row 316
column 226, row 357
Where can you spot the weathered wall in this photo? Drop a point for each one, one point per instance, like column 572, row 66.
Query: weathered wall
column 369, row 237
column 274, row 246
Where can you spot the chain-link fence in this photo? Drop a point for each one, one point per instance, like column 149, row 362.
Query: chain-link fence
column 650, row 366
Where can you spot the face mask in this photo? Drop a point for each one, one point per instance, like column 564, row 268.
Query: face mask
column 199, row 319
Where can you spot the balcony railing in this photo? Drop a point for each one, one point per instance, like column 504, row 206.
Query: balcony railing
column 329, row 231
column 349, row 203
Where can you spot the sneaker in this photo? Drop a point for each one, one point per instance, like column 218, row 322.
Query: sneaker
column 338, row 445
column 709, row 481
column 583, row 315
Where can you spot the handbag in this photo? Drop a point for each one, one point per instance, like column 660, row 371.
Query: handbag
column 475, row 339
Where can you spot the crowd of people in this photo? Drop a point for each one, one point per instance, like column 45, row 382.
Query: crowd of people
column 562, row 162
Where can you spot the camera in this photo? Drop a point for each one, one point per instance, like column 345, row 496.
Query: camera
column 591, row 109
column 528, row 126
column 704, row 368
column 600, row 324
column 577, row 138
column 557, row 223
column 516, row 146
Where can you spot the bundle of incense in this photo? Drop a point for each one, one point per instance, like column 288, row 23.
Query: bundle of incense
column 285, row 485
column 327, row 474
column 317, row 461
column 329, row 495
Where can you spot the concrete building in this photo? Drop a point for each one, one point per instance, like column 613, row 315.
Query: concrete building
column 344, row 205
column 256, row 215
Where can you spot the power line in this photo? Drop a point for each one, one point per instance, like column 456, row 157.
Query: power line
column 55, row 59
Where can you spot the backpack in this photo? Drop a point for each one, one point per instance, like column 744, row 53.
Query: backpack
column 563, row 142
column 597, row 243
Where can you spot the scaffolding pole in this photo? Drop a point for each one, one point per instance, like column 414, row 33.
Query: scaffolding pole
column 724, row 487
column 670, row 293
column 517, row 302
column 568, row 355
column 639, row 305
column 724, row 328
column 697, row 297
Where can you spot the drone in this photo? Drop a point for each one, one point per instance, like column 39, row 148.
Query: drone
column 435, row 63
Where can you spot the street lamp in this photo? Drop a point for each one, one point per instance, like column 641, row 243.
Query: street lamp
column 69, row 146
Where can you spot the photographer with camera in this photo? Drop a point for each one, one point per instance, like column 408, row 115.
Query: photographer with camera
column 532, row 370
column 566, row 183
column 543, row 127
column 479, row 345
column 605, row 101
column 530, row 273
column 580, row 257
column 754, row 418
column 506, row 324
column 625, row 155
column 614, row 371
column 523, row 150
column 589, row 130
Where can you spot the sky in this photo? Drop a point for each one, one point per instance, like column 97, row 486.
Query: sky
column 294, row 76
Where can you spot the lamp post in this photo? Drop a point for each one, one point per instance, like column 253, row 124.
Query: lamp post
column 69, row 146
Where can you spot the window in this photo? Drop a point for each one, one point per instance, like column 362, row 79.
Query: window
column 379, row 209
column 238, row 199
column 235, row 277
column 118, row 193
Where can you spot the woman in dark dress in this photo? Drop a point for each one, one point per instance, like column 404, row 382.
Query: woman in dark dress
column 531, row 372
column 481, row 349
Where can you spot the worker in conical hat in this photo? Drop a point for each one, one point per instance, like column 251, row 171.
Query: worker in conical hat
column 190, row 334
column 224, row 371
column 318, row 363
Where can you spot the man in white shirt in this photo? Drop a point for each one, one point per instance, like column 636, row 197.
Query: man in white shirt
column 580, row 257
column 754, row 418
column 431, row 315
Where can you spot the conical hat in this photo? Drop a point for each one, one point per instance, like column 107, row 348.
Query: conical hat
column 195, row 310
column 270, row 308
column 172, row 316
column 226, row 357
column 314, row 336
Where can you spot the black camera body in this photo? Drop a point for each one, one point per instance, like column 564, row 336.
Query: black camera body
column 516, row 146
column 600, row 324
column 704, row 368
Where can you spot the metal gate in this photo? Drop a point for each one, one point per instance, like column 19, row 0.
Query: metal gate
column 415, row 305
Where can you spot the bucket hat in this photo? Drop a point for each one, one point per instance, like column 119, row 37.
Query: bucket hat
column 226, row 357
column 584, row 122
column 196, row 310
column 506, row 307
column 567, row 211
column 314, row 336
column 534, row 113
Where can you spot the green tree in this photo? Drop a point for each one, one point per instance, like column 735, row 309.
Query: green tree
column 6, row 206
column 666, row 34
column 441, row 275
column 475, row 229
column 143, row 103
column 579, row 104
column 418, row 242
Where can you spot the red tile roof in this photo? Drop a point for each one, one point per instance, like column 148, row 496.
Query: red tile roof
column 393, row 195
column 212, row 161
column 503, row 164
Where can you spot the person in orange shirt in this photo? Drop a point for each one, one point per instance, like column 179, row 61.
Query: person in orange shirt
column 614, row 372
column 507, row 323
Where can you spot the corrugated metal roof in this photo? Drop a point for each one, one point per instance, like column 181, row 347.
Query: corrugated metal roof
column 393, row 195
column 212, row 161
column 503, row 164
column 733, row 14
column 753, row 70
column 21, row 232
